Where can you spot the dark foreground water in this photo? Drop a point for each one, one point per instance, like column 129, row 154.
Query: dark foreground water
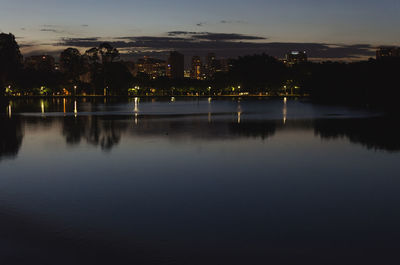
column 197, row 182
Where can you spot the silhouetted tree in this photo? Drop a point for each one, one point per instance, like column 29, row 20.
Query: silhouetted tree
column 108, row 53
column 117, row 78
column 93, row 55
column 10, row 60
column 258, row 73
column 72, row 64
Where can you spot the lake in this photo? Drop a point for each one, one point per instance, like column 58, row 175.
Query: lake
column 197, row 181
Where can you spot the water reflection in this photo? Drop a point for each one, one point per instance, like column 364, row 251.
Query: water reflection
column 136, row 110
column 95, row 130
column 42, row 106
column 11, row 135
column 377, row 133
column 239, row 113
column 284, row 110
column 9, row 111
column 372, row 133
column 75, row 108
column 177, row 185
column 106, row 132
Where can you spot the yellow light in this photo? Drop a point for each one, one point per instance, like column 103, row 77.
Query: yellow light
column 75, row 108
column 9, row 111
column 42, row 106
column 136, row 110
column 284, row 110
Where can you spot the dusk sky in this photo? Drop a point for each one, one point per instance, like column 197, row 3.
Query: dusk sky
column 343, row 29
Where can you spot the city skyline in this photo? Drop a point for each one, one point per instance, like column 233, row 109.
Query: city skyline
column 340, row 30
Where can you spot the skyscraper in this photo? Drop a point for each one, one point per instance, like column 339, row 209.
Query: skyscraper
column 153, row 67
column 296, row 57
column 211, row 65
column 196, row 68
column 387, row 52
column 175, row 65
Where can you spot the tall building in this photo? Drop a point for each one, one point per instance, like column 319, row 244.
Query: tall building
column 296, row 57
column 175, row 65
column 153, row 67
column 196, row 72
column 224, row 65
column 387, row 52
column 212, row 65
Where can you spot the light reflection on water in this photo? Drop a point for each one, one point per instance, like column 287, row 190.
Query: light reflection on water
column 197, row 182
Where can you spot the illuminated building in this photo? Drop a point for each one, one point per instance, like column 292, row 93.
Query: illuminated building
column 196, row 72
column 153, row 67
column 295, row 57
column 387, row 52
column 56, row 67
column 175, row 65
column 187, row 73
column 40, row 63
column 211, row 65
column 224, row 65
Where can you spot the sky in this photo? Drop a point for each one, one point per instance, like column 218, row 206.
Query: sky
column 341, row 29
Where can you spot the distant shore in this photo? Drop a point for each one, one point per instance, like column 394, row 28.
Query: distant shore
column 160, row 96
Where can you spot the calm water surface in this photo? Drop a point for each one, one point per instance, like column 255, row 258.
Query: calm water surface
column 204, row 181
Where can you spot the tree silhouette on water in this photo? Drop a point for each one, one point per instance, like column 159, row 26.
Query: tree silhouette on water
column 96, row 131
column 11, row 136
column 381, row 133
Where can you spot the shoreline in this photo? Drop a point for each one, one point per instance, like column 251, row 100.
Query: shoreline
column 159, row 96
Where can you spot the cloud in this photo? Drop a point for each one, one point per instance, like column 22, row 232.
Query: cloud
column 26, row 45
column 174, row 40
column 225, row 45
column 152, row 38
column 214, row 36
column 79, row 42
column 233, row 22
column 225, row 37
column 49, row 26
column 30, row 50
column 51, row 30
column 176, row 33
column 54, row 29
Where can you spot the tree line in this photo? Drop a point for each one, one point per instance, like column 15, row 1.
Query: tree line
column 100, row 71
